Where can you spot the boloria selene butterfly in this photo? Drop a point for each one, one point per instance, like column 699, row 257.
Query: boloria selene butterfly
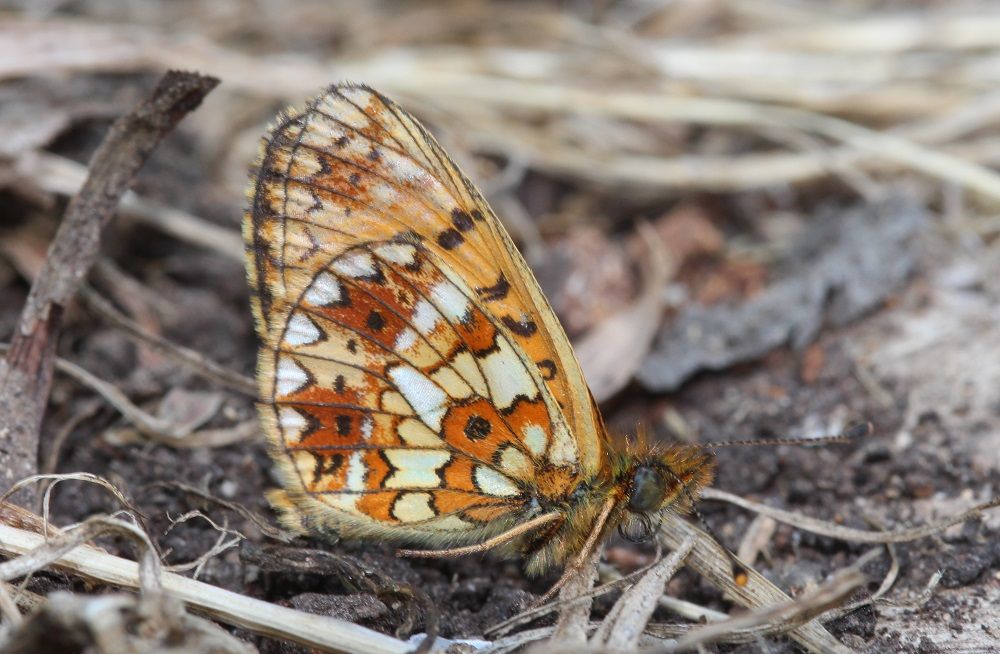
column 415, row 385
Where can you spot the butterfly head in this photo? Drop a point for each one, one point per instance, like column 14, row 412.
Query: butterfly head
column 659, row 479
column 668, row 479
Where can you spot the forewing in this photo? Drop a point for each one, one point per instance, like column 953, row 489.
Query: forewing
column 404, row 379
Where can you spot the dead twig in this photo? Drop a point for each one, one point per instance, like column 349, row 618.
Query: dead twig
column 26, row 372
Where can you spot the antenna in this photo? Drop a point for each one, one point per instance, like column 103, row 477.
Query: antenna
column 852, row 433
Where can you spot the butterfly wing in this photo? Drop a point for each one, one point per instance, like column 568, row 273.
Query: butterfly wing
column 406, row 387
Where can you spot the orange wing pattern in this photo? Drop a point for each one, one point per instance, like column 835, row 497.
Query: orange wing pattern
column 406, row 387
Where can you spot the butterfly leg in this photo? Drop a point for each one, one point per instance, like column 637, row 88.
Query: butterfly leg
column 487, row 545
column 581, row 559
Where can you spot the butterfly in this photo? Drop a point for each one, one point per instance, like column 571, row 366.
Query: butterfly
column 415, row 385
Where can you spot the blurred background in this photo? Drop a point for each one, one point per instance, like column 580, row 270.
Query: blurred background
column 755, row 218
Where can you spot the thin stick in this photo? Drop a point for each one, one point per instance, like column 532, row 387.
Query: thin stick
column 26, row 372
column 485, row 546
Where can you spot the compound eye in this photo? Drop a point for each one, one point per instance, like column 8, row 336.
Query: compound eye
column 648, row 490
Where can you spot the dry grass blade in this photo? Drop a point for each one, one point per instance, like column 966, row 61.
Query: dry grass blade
column 319, row 632
column 46, row 552
column 795, row 611
column 756, row 538
column 832, row 530
column 705, row 111
column 618, row 581
column 708, row 560
column 518, row 641
column 627, row 619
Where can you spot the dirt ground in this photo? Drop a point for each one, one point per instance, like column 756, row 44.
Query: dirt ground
column 794, row 310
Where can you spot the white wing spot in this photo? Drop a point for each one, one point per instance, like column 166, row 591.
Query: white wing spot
column 408, row 171
column 452, row 383
column 343, row 501
column 493, row 483
column 356, row 469
column 355, row 265
column 301, row 330
column 534, row 439
column 347, row 112
column 324, row 291
column 413, row 507
column 425, row 317
column 291, row 422
column 465, row 365
column 384, row 193
column 405, row 340
column 451, row 301
column 322, row 131
column 367, row 424
column 563, row 450
column 290, row 376
column 415, row 468
column 416, row 434
column 402, row 253
column 426, row 398
column 506, row 375
column 513, row 462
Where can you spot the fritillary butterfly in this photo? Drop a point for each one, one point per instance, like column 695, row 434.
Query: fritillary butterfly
column 415, row 386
